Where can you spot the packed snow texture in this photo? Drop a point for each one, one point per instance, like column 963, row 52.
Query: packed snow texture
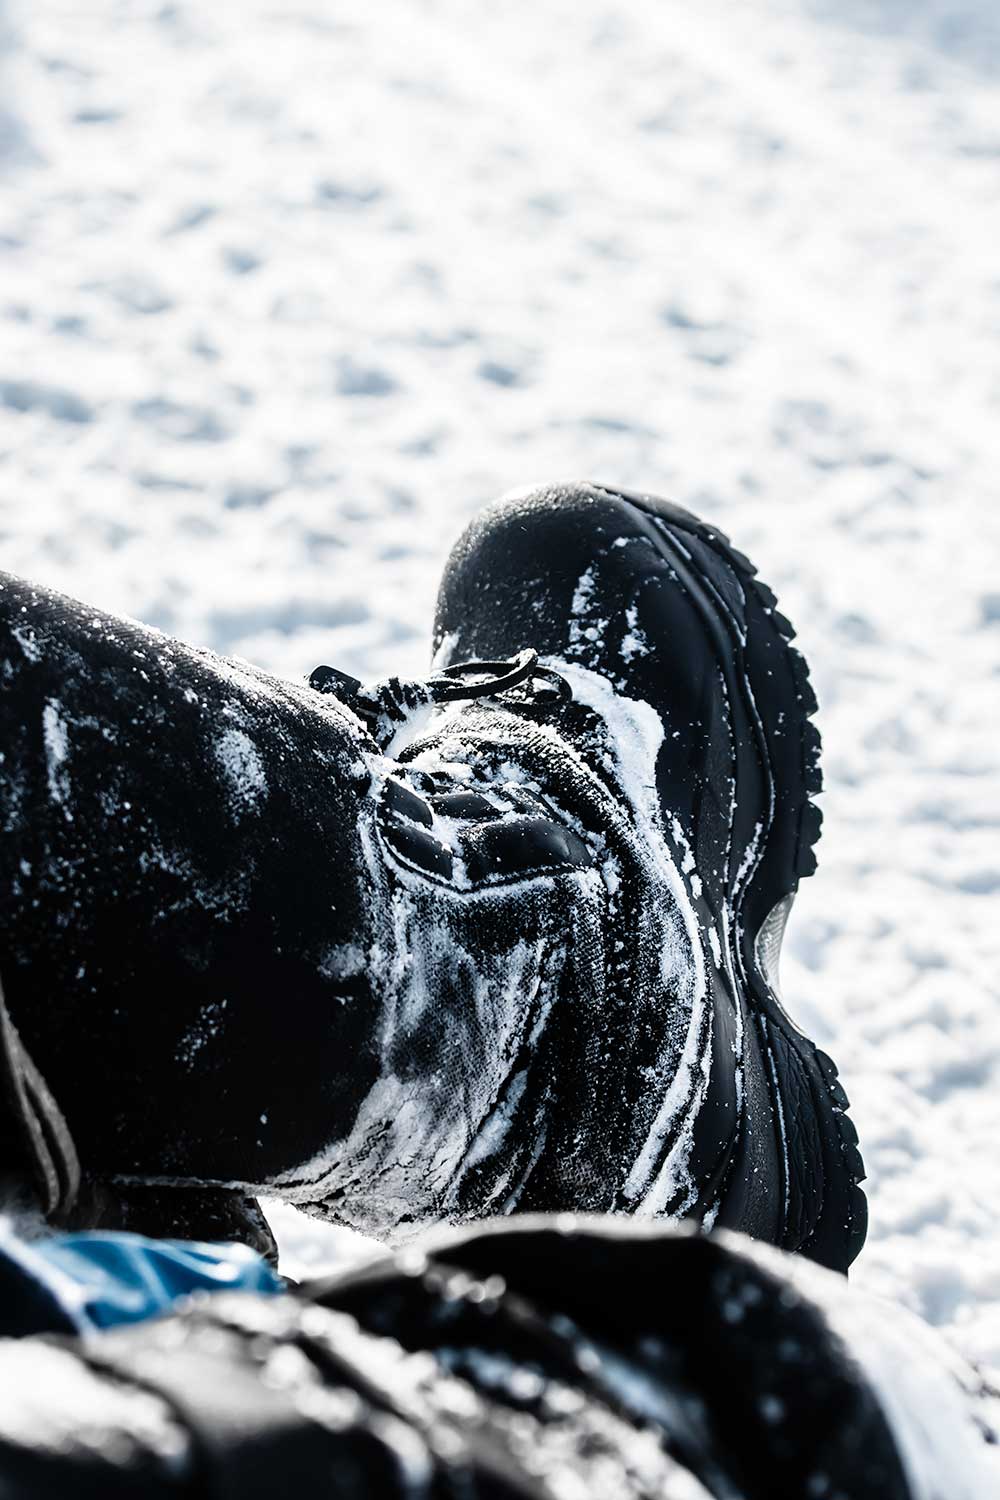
column 288, row 291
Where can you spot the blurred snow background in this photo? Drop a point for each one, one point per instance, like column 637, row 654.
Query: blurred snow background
column 288, row 289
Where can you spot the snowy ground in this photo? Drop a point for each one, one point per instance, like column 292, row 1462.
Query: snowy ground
column 287, row 290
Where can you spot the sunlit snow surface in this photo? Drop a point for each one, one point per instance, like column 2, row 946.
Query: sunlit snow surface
column 289, row 290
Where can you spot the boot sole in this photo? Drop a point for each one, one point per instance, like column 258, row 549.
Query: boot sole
column 779, row 703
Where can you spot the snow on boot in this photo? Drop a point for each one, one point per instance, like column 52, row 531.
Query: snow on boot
column 501, row 940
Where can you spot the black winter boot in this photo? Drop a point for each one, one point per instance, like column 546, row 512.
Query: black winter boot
column 501, row 940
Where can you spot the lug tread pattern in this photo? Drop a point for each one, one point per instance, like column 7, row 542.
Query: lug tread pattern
column 853, row 1230
column 837, row 1236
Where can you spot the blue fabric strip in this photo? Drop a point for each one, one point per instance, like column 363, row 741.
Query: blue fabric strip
column 100, row 1280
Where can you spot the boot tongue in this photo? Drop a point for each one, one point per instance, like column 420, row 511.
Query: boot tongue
column 34, row 1136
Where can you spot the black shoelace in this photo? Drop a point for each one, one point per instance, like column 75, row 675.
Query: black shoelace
column 384, row 706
